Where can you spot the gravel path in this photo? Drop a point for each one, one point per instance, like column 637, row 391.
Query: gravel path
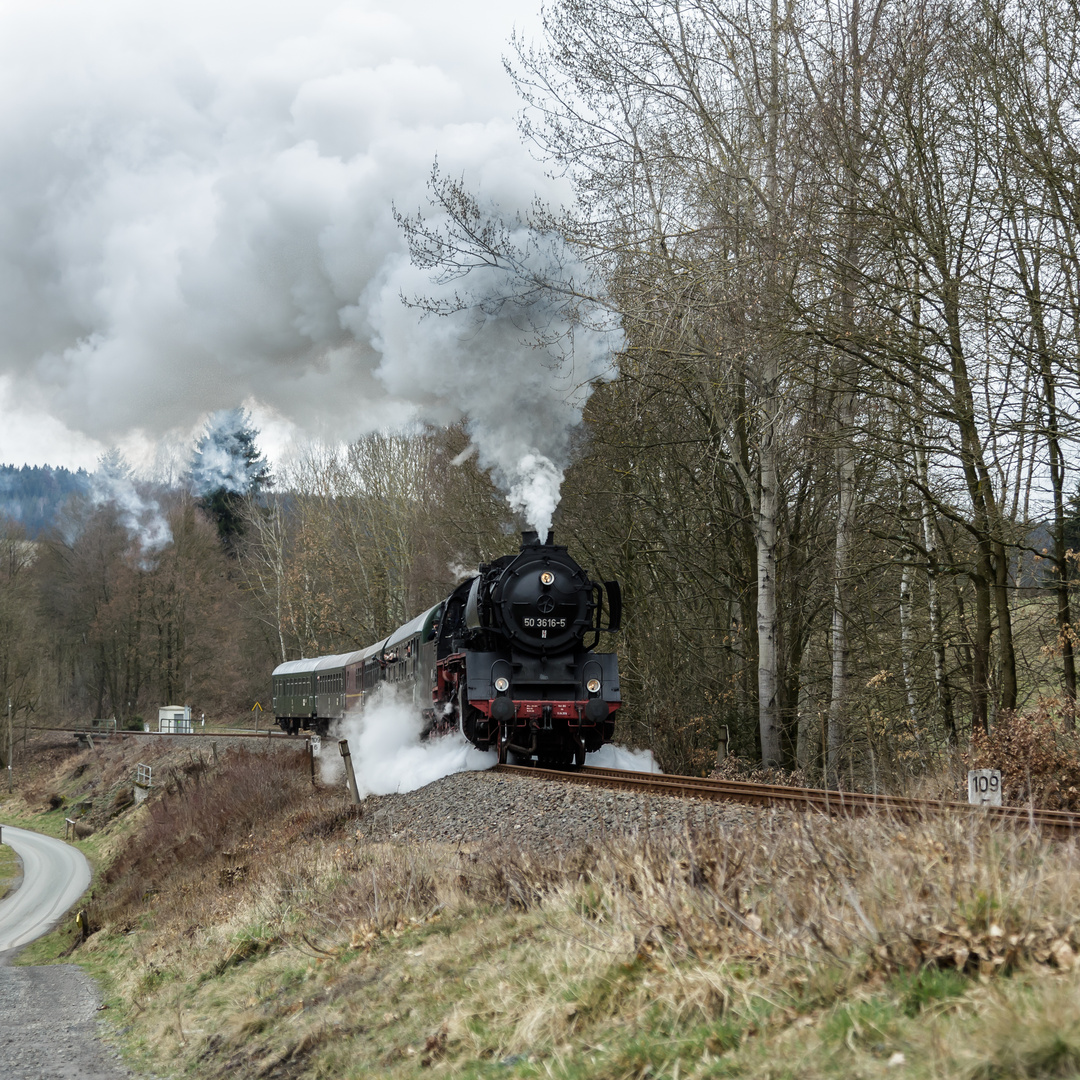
column 49, row 1026
column 471, row 807
column 48, row 1015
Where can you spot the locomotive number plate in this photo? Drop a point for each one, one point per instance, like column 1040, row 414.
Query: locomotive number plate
column 531, row 623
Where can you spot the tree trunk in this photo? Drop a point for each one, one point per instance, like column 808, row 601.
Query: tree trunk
column 943, row 693
column 767, row 616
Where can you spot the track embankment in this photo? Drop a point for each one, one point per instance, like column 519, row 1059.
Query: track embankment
column 776, row 796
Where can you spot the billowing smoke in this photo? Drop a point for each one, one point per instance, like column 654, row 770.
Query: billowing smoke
column 619, row 757
column 387, row 754
column 140, row 515
column 198, row 213
column 513, row 347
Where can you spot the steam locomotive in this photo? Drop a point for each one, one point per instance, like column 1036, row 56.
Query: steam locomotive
column 507, row 659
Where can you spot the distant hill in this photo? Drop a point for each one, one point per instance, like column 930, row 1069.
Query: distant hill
column 33, row 494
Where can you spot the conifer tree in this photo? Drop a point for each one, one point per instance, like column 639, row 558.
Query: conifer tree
column 227, row 470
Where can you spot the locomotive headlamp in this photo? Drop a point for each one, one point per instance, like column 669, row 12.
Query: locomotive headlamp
column 503, row 684
column 547, row 578
column 593, row 686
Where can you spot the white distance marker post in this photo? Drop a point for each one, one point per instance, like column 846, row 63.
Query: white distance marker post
column 984, row 787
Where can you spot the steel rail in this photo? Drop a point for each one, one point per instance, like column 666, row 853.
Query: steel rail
column 175, row 735
column 822, row 800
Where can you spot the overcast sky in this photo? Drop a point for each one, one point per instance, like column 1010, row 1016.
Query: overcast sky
column 195, row 206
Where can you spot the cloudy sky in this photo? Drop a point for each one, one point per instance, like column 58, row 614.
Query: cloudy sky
column 195, row 209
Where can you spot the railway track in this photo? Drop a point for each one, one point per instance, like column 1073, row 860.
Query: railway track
column 820, row 800
column 96, row 734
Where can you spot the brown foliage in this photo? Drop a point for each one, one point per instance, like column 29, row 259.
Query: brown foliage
column 738, row 768
column 1039, row 758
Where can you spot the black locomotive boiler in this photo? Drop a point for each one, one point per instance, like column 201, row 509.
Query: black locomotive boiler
column 508, row 659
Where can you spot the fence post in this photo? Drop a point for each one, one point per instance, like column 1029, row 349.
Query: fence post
column 721, row 749
column 343, row 746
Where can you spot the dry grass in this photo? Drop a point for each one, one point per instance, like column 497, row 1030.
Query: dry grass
column 203, row 827
column 246, row 931
column 727, row 944
column 10, row 870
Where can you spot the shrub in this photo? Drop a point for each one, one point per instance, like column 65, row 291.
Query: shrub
column 743, row 769
column 1038, row 755
column 199, row 817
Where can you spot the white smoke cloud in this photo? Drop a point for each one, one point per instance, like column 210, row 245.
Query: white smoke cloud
column 517, row 352
column 387, row 754
column 226, row 456
column 198, row 214
column 139, row 514
column 195, row 196
column 619, row 757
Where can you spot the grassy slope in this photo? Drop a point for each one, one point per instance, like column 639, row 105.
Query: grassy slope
column 10, row 870
column 235, row 942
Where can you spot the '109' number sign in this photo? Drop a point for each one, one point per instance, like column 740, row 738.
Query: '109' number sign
column 984, row 787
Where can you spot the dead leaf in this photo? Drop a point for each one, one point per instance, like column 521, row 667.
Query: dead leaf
column 1062, row 954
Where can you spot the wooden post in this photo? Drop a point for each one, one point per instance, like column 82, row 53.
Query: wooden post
column 722, row 747
column 311, row 760
column 343, row 746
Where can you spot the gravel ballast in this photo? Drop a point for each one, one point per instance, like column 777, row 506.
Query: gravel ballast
column 469, row 808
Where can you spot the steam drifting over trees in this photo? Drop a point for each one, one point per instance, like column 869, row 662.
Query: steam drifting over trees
column 833, row 249
column 840, row 239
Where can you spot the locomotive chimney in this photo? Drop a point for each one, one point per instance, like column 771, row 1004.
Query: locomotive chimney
column 550, row 537
column 530, row 536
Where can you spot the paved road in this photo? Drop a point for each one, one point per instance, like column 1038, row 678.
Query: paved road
column 55, row 875
column 48, row 1015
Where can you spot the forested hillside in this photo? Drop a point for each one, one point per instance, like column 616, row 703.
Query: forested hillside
column 33, row 495
column 842, row 242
